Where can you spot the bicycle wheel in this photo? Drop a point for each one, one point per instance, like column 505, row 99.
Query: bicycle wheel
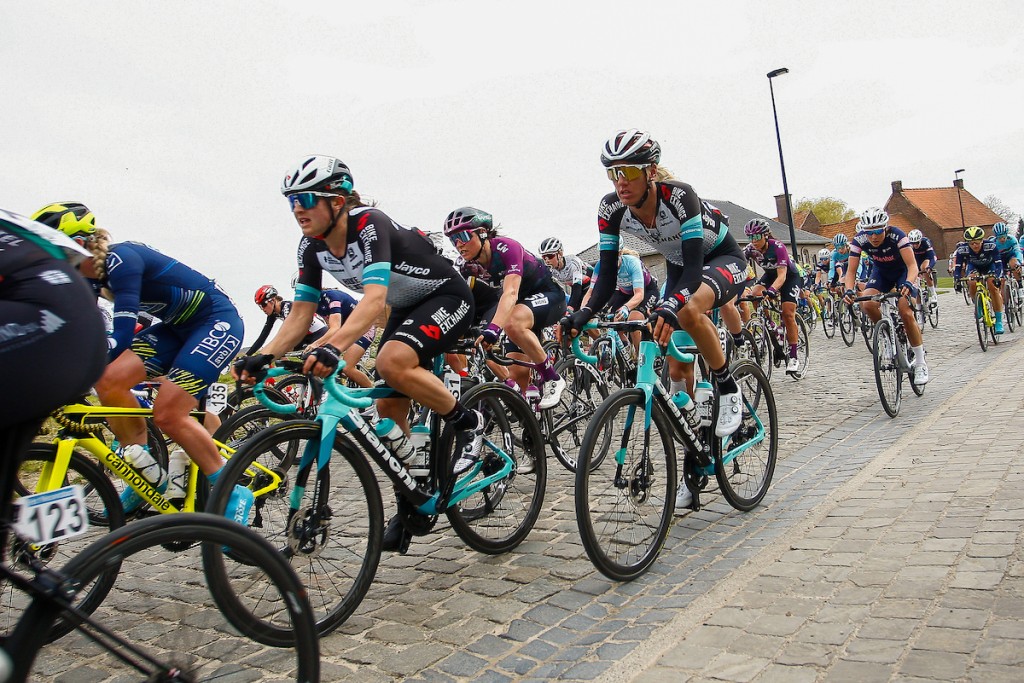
column 1008, row 308
column 867, row 330
column 100, row 497
column 803, row 348
column 624, row 507
column 563, row 424
column 747, row 351
column 333, row 541
column 828, row 317
column 498, row 517
column 246, row 423
column 745, row 461
column 888, row 377
column 165, row 604
column 846, row 324
column 242, row 397
column 979, row 320
column 1018, row 304
column 759, row 332
column 933, row 313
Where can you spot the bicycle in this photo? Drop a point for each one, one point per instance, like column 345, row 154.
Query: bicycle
column 984, row 318
column 892, row 355
column 926, row 308
column 324, row 508
column 625, row 504
column 1013, row 300
column 829, row 319
column 768, row 329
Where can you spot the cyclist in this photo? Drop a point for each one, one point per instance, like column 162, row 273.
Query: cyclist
column 45, row 310
column 1009, row 249
column 705, row 267
column 781, row 279
column 529, row 299
column 820, row 279
column 199, row 332
column 838, row 261
column 276, row 308
column 570, row 271
column 981, row 256
column 636, row 290
column 926, row 259
column 390, row 264
column 893, row 266
column 334, row 307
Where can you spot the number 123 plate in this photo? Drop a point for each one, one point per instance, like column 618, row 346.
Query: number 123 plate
column 52, row 515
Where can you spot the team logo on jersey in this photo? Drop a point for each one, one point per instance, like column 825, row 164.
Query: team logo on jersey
column 113, row 261
column 219, row 346
column 432, row 331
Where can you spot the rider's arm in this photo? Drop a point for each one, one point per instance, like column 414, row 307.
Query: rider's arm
column 125, row 281
column 576, row 291
column 910, row 261
column 509, row 297
column 852, row 265
column 294, row 328
column 264, row 333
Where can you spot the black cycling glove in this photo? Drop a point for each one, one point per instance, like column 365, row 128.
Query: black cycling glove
column 327, row 355
column 255, row 366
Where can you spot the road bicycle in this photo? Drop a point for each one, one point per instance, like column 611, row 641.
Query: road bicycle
column 829, row 317
column 625, row 504
column 323, row 507
column 173, row 628
column 984, row 316
column 1013, row 300
column 926, row 307
column 892, row 356
column 770, row 334
column 853, row 319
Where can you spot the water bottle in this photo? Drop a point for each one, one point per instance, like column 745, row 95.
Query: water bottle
column 140, row 458
column 177, row 474
column 419, row 465
column 394, row 438
column 703, row 394
column 687, row 407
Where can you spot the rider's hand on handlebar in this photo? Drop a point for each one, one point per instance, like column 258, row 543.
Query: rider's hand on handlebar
column 322, row 361
column 572, row 324
column 848, row 296
column 250, row 369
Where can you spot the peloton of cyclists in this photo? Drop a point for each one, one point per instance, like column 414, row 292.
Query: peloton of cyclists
column 893, row 267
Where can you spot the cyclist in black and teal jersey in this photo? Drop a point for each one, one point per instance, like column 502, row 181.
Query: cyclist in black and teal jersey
column 198, row 333
column 570, row 271
column 705, row 267
column 528, row 298
column 924, row 253
column 893, row 267
column 981, row 256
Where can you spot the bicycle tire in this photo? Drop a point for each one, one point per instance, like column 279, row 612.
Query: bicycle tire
column 764, row 346
column 337, row 558
column 803, row 348
column 242, row 397
column 933, row 314
column 499, row 517
column 748, row 350
column 1007, row 309
column 277, row 583
column 888, row 377
column 867, row 330
column 563, row 424
column 846, row 325
column 248, row 422
column 828, row 317
column 745, row 477
column 917, row 388
column 623, row 527
column 979, row 320
column 100, row 497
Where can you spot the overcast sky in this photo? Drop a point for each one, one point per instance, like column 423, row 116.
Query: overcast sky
column 176, row 121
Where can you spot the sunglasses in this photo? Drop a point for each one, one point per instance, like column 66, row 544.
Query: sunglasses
column 307, row 200
column 630, row 173
column 549, row 256
column 755, row 238
column 876, row 231
column 461, row 237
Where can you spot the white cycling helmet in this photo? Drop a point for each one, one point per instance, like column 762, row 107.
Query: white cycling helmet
column 824, row 254
column 631, row 146
column 318, row 173
column 550, row 245
column 840, row 240
column 872, row 219
column 914, row 236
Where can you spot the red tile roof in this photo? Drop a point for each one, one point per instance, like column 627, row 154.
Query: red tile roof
column 942, row 205
column 799, row 217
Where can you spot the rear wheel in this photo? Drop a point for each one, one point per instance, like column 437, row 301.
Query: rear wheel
column 888, row 377
column 846, row 324
column 759, row 333
column 745, row 461
column 803, row 348
column 564, row 423
column 624, row 506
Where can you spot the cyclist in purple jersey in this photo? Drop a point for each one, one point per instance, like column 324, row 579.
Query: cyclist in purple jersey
column 369, row 253
column 781, row 279
column 530, row 299
column 894, row 267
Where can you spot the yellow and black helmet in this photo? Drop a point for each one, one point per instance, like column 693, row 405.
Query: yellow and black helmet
column 71, row 218
column 974, row 233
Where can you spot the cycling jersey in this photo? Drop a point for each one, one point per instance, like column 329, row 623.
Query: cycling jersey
column 631, row 276
column 1009, row 248
column 337, row 302
column 317, row 328
column 837, row 259
column 886, row 256
column 378, row 251
column 924, row 250
column 691, row 234
column 775, row 256
column 574, row 276
column 958, row 263
column 985, row 261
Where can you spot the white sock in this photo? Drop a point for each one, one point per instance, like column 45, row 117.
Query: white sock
column 919, row 354
column 675, row 387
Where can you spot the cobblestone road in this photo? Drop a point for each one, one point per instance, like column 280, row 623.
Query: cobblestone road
column 885, row 549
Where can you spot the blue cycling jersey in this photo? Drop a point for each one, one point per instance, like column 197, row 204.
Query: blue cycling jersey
column 924, row 250
column 985, row 261
column 1008, row 247
column 631, row 277
column 335, row 302
column 837, row 259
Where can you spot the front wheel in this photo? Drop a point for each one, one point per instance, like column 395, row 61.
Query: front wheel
column 828, row 317
column 564, row 423
column 803, row 348
column 745, row 461
column 332, row 538
column 759, row 333
column 979, row 320
column 624, row 506
column 888, row 377
column 498, row 517
column 846, row 324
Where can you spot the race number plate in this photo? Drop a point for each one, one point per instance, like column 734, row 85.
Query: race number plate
column 217, row 398
column 52, row 515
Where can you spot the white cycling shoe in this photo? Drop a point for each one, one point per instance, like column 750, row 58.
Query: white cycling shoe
column 683, row 499
column 920, row 371
column 730, row 413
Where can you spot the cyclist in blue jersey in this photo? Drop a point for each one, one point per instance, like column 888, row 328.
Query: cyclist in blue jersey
column 838, row 261
column 529, row 299
column 1009, row 250
column 925, row 256
column 636, row 291
column 705, row 268
column 981, row 256
column 335, row 306
column 893, row 267
column 199, row 332
column 781, row 279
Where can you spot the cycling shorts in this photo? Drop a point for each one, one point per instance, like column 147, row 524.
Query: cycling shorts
column 434, row 325
column 725, row 274
column 885, row 280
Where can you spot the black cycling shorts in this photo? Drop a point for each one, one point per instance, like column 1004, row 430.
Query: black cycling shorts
column 434, row 325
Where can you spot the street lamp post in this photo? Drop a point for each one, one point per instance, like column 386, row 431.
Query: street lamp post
column 957, row 173
column 785, row 185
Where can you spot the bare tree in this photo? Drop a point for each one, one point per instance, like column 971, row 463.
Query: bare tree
column 999, row 207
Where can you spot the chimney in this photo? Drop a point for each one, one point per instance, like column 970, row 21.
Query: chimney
column 959, row 182
column 897, row 186
column 780, row 208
